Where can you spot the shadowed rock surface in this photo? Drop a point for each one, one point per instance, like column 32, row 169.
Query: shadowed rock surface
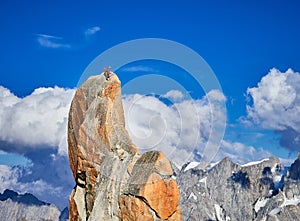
column 26, row 207
column 113, row 180
column 262, row 191
column 27, row 198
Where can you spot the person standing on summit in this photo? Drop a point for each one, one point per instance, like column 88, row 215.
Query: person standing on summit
column 107, row 72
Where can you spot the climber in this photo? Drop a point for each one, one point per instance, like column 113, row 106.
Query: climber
column 107, row 72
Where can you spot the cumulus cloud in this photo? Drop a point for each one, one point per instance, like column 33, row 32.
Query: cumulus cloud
column 181, row 130
column 275, row 105
column 10, row 179
column 241, row 153
column 36, row 126
column 50, row 41
column 92, row 30
column 174, row 95
column 37, row 120
column 47, row 178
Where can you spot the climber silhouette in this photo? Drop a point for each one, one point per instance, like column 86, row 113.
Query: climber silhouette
column 107, row 72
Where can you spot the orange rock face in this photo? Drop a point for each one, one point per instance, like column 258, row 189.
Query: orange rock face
column 161, row 195
column 134, row 209
column 176, row 216
column 151, row 180
column 74, row 215
column 113, row 180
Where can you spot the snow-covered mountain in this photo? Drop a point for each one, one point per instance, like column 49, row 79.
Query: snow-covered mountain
column 27, row 207
column 262, row 190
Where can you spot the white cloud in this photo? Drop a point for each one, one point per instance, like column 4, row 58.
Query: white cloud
column 92, row 31
column 179, row 130
column 174, row 95
column 14, row 178
column 276, row 105
column 240, row 153
column 216, row 96
column 36, row 126
column 10, row 176
column 50, row 36
column 138, row 68
column 50, row 41
column 37, row 120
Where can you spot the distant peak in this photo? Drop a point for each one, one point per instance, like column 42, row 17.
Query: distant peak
column 27, row 198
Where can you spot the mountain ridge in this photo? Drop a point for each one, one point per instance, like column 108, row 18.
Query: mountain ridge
column 262, row 190
column 27, row 207
column 27, row 198
column 281, row 203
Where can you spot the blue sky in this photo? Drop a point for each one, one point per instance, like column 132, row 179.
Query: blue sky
column 44, row 45
column 236, row 39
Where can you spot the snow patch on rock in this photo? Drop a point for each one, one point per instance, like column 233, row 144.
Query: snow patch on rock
column 191, row 165
column 192, row 195
column 261, row 202
column 254, row 162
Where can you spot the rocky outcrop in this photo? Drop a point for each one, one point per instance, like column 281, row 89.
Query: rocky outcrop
column 291, row 181
column 151, row 182
column 113, row 180
column 96, row 134
column 227, row 191
column 14, row 206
